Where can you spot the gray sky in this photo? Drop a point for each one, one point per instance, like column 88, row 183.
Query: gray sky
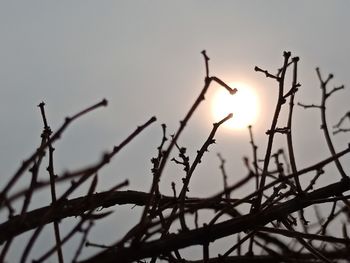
column 144, row 57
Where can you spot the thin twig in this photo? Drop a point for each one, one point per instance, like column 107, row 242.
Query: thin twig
column 293, row 233
column 311, row 249
column 255, row 155
column 87, row 173
column 183, row 124
column 83, row 241
column 210, row 140
column 47, row 133
column 41, row 149
column 289, row 126
column 224, row 175
column 280, row 102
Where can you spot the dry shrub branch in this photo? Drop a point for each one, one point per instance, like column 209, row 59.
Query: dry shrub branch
column 275, row 228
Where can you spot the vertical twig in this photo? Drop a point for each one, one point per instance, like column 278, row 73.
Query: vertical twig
column 324, row 125
column 255, row 156
column 329, row 218
column 224, row 175
column 197, row 160
column 206, row 252
column 50, row 169
column 84, row 217
column 294, row 89
column 271, row 132
column 83, row 241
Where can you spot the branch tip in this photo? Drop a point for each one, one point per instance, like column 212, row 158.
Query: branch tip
column 286, row 54
column 104, row 102
column 204, row 53
column 41, row 104
column 233, row 91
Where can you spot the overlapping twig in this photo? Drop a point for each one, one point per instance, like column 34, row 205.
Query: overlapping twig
column 268, row 225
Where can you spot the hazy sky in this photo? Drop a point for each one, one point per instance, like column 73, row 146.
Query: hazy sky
column 144, row 57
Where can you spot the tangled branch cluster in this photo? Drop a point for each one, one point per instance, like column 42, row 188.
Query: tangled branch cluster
column 274, row 229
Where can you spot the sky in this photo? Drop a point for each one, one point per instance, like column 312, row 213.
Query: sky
column 145, row 58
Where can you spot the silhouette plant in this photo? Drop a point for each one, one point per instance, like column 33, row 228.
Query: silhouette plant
column 270, row 231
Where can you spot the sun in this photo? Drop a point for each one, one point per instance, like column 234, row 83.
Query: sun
column 243, row 105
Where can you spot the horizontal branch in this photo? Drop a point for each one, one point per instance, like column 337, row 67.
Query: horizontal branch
column 15, row 226
column 296, row 234
column 208, row 234
column 76, row 207
column 295, row 258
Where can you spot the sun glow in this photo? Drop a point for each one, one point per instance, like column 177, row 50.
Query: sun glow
column 243, row 105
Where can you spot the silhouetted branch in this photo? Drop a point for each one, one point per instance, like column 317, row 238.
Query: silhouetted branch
column 196, row 161
column 255, row 156
column 289, row 126
column 337, row 127
column 226, row 228
column 324, row 125
column 183, row 123
column 294, row 233
column 224, row 175
column 83, row 240
column 164, row 228
column 40, row 150
column 267, row 74
column 47, row 133
column 278, row 108
column 347, row 115
column 86, row 174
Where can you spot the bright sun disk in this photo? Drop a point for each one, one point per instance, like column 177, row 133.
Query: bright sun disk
column 243, row 104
